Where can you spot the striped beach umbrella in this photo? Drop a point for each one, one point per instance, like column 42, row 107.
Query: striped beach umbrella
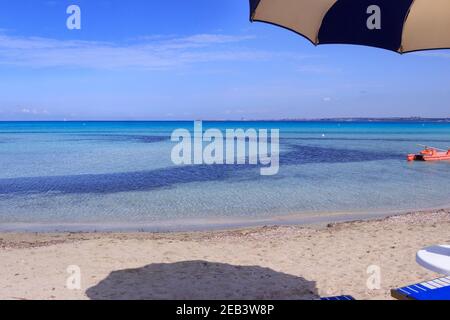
column 398, row 25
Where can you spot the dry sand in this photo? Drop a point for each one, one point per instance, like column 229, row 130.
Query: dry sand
column 294, row 262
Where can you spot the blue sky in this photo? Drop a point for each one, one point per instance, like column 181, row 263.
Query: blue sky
column 197, row 59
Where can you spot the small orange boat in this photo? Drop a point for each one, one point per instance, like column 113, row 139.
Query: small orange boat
column 430, row 154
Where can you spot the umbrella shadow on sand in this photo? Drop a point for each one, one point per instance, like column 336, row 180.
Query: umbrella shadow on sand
column 201, row 280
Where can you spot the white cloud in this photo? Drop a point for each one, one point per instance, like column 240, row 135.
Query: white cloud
column 146, row 53
column 436, row 54
column 34, row 111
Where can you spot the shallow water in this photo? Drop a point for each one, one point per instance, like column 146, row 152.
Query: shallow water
column 106, row 173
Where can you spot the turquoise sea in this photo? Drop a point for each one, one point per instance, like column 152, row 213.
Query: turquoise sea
column 119, row 175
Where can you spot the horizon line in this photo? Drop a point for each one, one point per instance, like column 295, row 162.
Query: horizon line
column 411, row 118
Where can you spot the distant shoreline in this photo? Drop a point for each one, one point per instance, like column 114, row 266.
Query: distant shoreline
column 343, row 119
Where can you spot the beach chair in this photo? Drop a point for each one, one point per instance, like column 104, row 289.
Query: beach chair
column 338, row 298
column 437, row 289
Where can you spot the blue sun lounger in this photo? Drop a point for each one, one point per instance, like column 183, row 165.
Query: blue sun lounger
column 338, row 298
column 437, row 289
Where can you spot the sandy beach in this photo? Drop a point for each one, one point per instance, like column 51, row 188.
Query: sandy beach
column 274, row 262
